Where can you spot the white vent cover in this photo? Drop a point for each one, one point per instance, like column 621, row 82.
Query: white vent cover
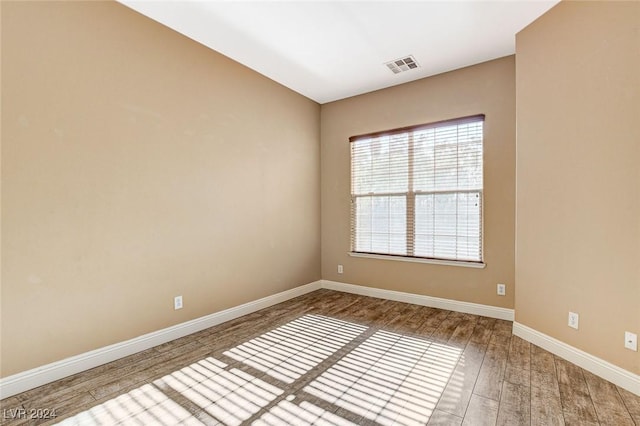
column 403, row 64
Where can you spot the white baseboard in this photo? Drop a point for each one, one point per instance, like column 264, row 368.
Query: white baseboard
column 418, row 299
column 39, row 376
column 616, row 375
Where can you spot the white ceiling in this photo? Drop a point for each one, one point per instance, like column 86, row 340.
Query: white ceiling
column 330, row 50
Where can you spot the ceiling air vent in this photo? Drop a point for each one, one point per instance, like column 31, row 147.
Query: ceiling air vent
column 402, row 64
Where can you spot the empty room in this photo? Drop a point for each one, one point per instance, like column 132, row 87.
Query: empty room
column 320, row 212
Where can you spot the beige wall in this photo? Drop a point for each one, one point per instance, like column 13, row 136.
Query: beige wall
column 138, row 165
column 578, row 179
column 488, row 88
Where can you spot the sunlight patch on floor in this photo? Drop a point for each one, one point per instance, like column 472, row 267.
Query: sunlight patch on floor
column 290, row 351
column 144, row 405
column 388, row 378
column 228, row 394
column 287, row 413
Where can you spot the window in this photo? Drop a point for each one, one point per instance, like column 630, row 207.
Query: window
column 417, row 191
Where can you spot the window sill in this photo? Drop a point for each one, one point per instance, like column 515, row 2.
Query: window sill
column 421, row 260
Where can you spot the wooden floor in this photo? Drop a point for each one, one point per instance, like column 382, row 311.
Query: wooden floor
column 331, row 358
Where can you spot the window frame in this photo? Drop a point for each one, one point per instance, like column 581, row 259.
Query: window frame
column 411, row 193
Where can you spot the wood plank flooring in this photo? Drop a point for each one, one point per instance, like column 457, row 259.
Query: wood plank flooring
column 331, row 358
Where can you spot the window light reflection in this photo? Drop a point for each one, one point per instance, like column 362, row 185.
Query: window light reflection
column 388, row 378
column 290, row 351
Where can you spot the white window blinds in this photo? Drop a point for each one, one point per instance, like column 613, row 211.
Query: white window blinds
column 417, row 191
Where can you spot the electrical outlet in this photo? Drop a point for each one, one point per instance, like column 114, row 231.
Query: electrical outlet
column 340, row 269
column 631, row 340
column 177, row 302
column 502, row 289
column 574, row 319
